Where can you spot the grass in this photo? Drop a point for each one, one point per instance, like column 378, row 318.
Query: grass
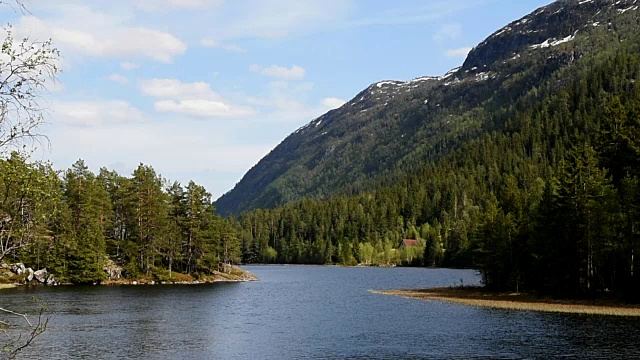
column 180, row 277
column 475, row 296
column 235, row 275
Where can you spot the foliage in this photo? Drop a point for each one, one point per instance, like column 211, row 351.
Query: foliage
column 73, row 226
column 28, row 198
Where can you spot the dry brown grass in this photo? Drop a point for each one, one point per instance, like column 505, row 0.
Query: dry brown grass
column 180, row 277
column 478, row 297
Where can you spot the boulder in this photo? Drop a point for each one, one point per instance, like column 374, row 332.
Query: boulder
column 18, row 268
column 113, row 270
column 51, row 280
column 41, row 275
column 29, row 274
column 226, row 268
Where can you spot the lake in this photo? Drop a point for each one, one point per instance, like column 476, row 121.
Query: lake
column 308, row 312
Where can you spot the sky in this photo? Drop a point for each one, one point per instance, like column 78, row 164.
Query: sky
column 203, row 89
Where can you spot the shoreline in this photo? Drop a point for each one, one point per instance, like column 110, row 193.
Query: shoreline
column 235, row 276
column 478, row 297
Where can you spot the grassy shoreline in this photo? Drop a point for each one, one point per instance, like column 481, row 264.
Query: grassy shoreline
column 236, row 274
column 474, row 296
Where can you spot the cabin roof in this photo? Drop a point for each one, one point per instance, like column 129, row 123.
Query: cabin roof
column 409, row 242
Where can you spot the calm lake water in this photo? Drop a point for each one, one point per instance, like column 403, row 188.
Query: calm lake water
column 309, row 313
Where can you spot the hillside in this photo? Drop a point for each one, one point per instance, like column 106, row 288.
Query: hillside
column 395, row 128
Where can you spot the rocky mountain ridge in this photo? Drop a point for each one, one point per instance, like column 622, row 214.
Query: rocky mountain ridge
column 393, row 127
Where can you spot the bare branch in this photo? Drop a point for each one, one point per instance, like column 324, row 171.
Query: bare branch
column 35, row 332
column 18, row 340
column 17, row 314
column 16, row 5
column 26, row 67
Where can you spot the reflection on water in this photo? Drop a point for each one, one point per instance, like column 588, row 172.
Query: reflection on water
column 313, row 313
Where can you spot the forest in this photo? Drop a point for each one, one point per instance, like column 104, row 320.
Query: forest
column 546, row 200
column 75, row 222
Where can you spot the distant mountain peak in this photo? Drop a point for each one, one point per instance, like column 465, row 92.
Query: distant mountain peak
column 392, row 125
column 549, row 26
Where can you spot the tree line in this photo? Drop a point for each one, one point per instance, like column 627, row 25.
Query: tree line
column 75, row 222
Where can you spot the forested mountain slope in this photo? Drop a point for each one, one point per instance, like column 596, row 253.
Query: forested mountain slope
column 395, row 128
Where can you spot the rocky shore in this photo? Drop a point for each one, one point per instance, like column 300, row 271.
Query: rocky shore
column 18, row 274
column 27, row 274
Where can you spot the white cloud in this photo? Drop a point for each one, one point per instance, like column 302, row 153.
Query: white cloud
column 195, row 99
column 95, row 113
column 275, row 19
column 173, row 88
column 229, row 47
column 179, row 151
column 171, row 5
column 420, row 12
column 125, row 65
column 209, row 43
column 290, row 102
column 201, row 108
column 293, row 73
column 87, row 32
column 332, row 103
column 461, row 52
column 448, row 32
column 117, row 78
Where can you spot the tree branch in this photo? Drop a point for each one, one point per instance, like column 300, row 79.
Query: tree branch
column 17, row 314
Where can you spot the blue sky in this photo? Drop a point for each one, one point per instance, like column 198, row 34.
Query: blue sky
column 203, row 89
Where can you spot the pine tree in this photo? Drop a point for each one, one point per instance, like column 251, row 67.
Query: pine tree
column 88, row 201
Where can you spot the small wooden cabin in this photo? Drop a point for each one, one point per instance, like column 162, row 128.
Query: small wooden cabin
column 407, row 243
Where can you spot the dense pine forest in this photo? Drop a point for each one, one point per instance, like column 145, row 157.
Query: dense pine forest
column 529, row 174
column 74, row 223
column 546, row 202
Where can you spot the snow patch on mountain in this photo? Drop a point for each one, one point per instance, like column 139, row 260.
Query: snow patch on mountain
column 632, row 8
column 450, row 73
column 552, row 42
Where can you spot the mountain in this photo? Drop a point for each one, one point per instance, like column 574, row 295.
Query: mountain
column 395, row 128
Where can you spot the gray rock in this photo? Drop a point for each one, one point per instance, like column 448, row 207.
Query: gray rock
column 29, row 274
column 41, row 275
column 18, row 268
column 226, row 268
column 113, row 270
column 51, row 280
